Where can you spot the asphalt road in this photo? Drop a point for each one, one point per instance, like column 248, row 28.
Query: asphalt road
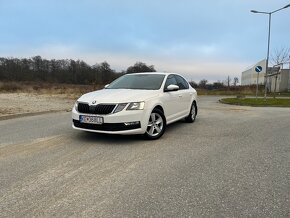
column 232, row 162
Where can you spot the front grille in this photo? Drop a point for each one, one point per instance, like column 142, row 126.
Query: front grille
column 96, row 109
column 106, row 126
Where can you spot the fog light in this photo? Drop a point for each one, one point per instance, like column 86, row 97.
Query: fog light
column 132, row 123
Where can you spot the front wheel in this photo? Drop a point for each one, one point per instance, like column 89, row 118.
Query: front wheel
column 192, row 114
column 156, row 125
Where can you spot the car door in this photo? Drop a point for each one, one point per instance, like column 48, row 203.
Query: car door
column 185, row 96
column 171, row 100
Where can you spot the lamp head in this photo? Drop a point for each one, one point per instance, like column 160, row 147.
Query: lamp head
column 287, row 6
column 254, row 11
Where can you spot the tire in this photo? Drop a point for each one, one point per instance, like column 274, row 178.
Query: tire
column 192, row 113
column 156, row 125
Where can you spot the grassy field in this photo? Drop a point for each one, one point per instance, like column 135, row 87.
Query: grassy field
column 260, row 102
column 244, row 91
column 227, row 92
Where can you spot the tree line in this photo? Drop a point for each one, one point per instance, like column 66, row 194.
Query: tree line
column 38, row 69
column 227, row 83
column 62, row 71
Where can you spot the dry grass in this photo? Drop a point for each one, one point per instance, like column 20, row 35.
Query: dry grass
column 73, row 91
column 70, row 91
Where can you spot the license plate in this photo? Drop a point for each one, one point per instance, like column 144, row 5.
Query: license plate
column 91, row 119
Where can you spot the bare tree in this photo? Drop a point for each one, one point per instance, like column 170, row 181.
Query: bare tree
column 202, row 83
column 280, row 56
column 140, row 67
column 228, row 81
column 236, row 81
column 193, row 84
column 218, row 85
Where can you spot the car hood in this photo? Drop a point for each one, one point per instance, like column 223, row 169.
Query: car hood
column 118, row 96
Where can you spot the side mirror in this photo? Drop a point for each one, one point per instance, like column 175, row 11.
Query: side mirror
column 107, row 85
column 171, row 88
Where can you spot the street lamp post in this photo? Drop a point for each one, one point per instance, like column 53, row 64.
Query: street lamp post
column 269, row 35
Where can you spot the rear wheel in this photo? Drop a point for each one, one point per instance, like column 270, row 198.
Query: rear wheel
column 192, row 114
column 156, row 125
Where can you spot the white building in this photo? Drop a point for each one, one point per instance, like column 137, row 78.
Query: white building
column 281, row 81
column 249, row 76
column 278, row 78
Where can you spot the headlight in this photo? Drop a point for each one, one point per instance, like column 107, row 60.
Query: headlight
column 120, row 107
column 76, row 105
column 136, row 106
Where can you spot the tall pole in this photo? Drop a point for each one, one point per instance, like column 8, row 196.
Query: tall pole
column 267, row 61
column 257, row 86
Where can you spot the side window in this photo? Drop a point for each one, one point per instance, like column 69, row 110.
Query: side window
column 181, row 82
column 170, row 81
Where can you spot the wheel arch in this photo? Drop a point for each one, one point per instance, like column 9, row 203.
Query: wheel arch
column 159, row 107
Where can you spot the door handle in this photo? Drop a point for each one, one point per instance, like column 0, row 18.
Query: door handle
column 180, row 96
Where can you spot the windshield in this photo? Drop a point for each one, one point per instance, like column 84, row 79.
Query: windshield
column 138, row 81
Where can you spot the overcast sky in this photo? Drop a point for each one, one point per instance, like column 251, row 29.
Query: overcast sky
column 197, row 38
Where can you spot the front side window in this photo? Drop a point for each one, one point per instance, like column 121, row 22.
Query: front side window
column 181, row 82
column 170, row 81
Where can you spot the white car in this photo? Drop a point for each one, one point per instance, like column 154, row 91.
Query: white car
column 139, row 103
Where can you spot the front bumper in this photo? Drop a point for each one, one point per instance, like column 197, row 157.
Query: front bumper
column 124, row 122
column 112, row 127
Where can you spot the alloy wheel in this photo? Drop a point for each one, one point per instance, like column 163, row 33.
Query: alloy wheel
column 193, row 112
column 155, row 125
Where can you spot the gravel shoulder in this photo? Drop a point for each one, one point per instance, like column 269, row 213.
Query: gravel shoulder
column 21, row 104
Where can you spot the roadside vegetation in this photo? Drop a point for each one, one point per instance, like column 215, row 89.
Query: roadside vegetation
column 241, row 91
column 260, row 102
column 71, row 91
column 228, row 88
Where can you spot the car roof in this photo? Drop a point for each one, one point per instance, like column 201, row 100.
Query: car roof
column 160, row 73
